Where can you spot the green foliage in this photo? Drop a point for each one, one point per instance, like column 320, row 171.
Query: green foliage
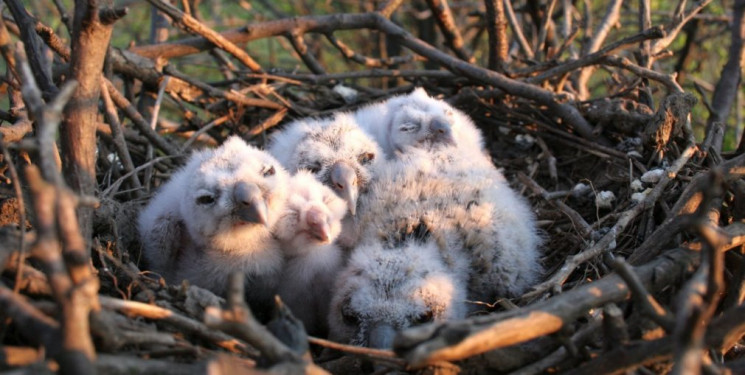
column 707, row 57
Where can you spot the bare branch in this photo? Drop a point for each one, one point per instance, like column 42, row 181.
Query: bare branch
column 193, row 25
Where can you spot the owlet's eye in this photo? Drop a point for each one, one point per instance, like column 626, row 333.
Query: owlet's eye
column 205, row 199
column 365, row 158
column 424, row 317
column 313, row 168
column 349, row 316
column 269, row 171
column 408, row 127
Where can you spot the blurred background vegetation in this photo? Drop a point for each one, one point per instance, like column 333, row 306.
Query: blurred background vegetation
column 698, row 53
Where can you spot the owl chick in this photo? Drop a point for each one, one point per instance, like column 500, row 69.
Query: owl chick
column 306, row 231
column 418, row 120
column 335, row 150
column 213, row 217
column 471, row 210
column 387, row 287
column 432, row 213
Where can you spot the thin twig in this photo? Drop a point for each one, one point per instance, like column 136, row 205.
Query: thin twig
column 118, row 136
column 197, row 27
column 580, row 224
column 608, row 242
column 21, row 213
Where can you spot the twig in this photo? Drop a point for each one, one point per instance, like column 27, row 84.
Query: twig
column 34, row 325
column 615, row 330
column 239, row 321
column 446, row 22
column 723, row 331
column 267, row 124
column 580, row 224
column 114, row 187
column 34, row 48
column 543, row 30
column 21, row 212
column 367, row 61
column 372, row 353
column 298, row 43
column 372, row 73
column 654, row 243
column 118, row 136
column 703, row 291
column 496, row 27
column 517, row 29
column 139, row 121
column 559, row 355
column 324, row 24
column 193, row 25
column 153, row 109
column 594, row 44
column 390, row 6
column 730, row 76
column 53, row 41
column 672, row 30
column 622, row 62
column 649, row 305
column 217, row 93
column 594, row 57
column 75, row 300
column 133, row 308
column 216, row 122
column 608, row 241
column 461, row 339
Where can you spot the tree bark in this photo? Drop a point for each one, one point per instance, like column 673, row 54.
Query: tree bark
column 729, row 80
column 78, row 131
column 496, row 26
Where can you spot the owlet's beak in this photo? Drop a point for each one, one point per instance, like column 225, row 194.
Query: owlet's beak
column 249, row 203
column 318, row 224
column 442, row 133
column 343, row 181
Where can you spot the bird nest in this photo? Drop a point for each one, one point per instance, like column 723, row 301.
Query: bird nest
column 620, row 216
column 642, row 223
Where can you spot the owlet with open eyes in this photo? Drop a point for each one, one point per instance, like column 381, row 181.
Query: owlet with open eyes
column 337, row 152
column 334, row 149
column 214, row 216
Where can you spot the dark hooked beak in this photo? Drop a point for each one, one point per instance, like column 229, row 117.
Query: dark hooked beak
column 442, row 132
column 250, row 205
column 381, row 336
column 343, row 180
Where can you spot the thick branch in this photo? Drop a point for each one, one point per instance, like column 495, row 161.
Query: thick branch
column 193, row 25
column 446, row 22
column 729, row 79
column 496, row 27
column 34, row 48
column 78, row 131
column 604, row 244
column 461, row 339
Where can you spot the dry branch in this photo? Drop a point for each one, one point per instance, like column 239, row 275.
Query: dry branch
column 496, row 27
column 133, row 308
column 608, row 241
column 197, row 27
column 462, row 339
column 446, row 22
column 78, row 129
column 524, row 105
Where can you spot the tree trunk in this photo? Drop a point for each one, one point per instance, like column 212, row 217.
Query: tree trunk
column 78, row 131
column 729, row 80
